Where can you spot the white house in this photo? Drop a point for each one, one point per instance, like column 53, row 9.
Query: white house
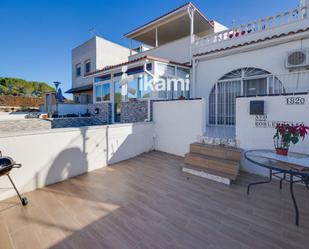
column 268, row 58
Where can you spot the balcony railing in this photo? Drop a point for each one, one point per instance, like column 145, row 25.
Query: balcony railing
column 263, row 24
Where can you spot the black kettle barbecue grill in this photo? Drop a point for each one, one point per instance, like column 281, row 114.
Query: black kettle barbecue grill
column 6, row 165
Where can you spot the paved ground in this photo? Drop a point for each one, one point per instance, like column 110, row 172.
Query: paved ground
column 147, row 202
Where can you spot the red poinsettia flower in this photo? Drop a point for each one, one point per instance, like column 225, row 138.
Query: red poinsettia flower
column 303, row 131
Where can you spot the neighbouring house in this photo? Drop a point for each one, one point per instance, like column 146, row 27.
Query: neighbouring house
column 90, row 56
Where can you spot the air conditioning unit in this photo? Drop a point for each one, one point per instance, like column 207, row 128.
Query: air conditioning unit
column 297, row 58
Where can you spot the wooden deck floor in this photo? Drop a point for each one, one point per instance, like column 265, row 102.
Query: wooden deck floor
column 147, row 202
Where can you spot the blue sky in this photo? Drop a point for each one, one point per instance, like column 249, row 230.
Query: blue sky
column 37, row 36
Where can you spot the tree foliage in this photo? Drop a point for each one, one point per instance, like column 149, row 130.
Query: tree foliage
column 20, row 87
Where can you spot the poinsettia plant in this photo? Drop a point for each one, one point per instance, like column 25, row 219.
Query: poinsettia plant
column 289, row 133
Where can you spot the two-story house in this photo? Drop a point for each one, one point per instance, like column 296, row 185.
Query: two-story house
column 89, row 57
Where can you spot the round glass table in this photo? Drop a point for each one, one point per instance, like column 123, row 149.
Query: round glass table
column 293, row 168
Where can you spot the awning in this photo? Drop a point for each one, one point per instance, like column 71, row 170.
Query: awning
column 80, row 89
column 171, row 26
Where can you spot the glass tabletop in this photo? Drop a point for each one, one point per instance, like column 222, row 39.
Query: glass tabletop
column 294, row 163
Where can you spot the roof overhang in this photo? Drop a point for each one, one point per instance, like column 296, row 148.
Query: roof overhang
column 132, row 63
column 171, row 26
column 80, row 89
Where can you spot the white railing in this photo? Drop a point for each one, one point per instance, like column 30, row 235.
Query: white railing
column 254, row 27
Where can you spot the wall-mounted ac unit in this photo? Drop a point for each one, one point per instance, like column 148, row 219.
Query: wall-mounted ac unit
column 297, row 58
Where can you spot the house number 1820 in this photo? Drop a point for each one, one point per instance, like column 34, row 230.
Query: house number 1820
column 295, row 101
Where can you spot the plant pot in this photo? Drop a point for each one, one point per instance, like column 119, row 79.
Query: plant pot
column 282, row 152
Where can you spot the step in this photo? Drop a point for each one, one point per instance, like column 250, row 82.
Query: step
column 212, row 163
column 209, row 174
column 227, row 153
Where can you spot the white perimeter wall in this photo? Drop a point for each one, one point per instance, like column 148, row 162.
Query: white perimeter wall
column 251, row 137
column 177, row 124
column 64, row 109
column 52, row 156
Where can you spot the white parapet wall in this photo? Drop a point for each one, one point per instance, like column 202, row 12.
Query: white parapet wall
column 256, row 131
column 55, row 155
column 177, row 124
column 64, row 109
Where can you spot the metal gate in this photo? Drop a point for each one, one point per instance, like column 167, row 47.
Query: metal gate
column 222, row 102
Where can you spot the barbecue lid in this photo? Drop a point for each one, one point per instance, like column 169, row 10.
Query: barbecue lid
column 6, row 161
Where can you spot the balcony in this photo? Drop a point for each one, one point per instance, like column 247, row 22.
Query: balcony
column 265, row 28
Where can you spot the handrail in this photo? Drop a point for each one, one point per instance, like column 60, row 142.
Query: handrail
column 254, row 26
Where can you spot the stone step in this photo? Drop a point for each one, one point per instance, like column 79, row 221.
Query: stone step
column 213, row 164
column 227, row 142
column 209, row 174
column 220, row 152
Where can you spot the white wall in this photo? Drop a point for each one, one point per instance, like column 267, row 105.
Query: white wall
column 13, row 115
column 177, row 124
column 51, row 156
column 178, row 51
column 109, row 53
column 218, row 27
column 251, row 137
column 64, row 109
column 276, row 110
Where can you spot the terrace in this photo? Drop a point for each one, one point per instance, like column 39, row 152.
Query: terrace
column 147, row 202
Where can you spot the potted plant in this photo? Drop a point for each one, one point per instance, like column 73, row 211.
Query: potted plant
column 287, row 134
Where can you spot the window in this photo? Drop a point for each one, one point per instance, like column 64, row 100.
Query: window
column 133, row 88
column 241, row 82
column 164, row 69
column 144, row 92
column 98, row 93
column 78, row 70
column 87, row 66
column 102, row 92
column 106, row 92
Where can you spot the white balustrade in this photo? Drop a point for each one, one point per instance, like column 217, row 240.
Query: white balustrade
column 253, row 27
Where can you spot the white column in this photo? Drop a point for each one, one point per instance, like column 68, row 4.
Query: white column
column 157, row 43
column 191, row 16
column 130, row 45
